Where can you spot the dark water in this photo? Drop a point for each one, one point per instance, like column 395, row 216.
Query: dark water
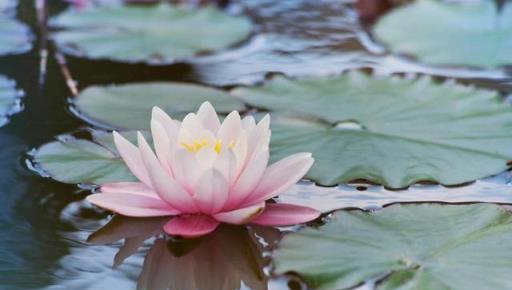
column 44, row 224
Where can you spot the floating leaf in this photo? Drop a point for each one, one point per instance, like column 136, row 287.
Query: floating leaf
column 129, row 106
column 389, row 131
column 155, row 34
column 413, row 247
column 459, row 34
column 15, row 36
column 73, row 160
column 9, row 99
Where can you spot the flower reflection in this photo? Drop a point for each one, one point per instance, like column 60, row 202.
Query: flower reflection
column 226, row 259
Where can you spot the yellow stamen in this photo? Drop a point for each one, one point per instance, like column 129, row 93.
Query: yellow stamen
column 197, row 145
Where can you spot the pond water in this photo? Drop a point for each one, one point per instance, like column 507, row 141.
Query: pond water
column 44, row 224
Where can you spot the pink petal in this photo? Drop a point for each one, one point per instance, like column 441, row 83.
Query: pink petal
column 282, row 214
column 129, row 187
column 171, row 126
column 260, row 135
column 248, row 180
column 206, row 157
column 208, row 117
column 186, row 169
column 240, row 216
column 212, row 191
column 190, row 226
column 226, row 164
column 230, row 128
column 162, row 144
column 280, row 176
column 191, row 125
column 248, row 123
column 132, row 158
column 168, row 189
column 133, row 205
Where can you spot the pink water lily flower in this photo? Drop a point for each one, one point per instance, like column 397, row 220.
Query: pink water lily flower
column 204, row 172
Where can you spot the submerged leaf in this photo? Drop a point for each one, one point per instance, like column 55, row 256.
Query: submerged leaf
column 414, row 247
column 129, row 106
column 155, row 34
column 473, row 34
column 390, row 131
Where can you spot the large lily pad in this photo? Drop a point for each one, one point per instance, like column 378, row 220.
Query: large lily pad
column 129, row 106
column 389, row 131
column 461, row 34
column 155, row 34
column 15, row 37
column 414, row 247
column 74, row 160
column 9, row 99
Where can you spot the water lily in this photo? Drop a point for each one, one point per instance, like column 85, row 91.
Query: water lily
column 204, row 172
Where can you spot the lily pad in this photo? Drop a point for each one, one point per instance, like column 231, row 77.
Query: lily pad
column 9, row 99
column 129, row 106
column 73, row 160
column 15, row 37
column 460, row 34
column 390, row 131
column 410, row 247
column 156, row 34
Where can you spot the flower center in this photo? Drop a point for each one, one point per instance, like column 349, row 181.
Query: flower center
column 199, row 144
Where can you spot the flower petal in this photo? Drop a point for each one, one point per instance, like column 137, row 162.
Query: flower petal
column 191, row 128
column 241, row 215
column 190, row 226
column 230, row 128
column 129, row 187
column 170, row 125
column 280, row 176
column 259, row 136
column 211, row 191
column 248, row 123
column 162, row 144
column 248, row 180
column 186, row 169
column 132, row 158
column 208, row 117
column 133, row 205
column 226, row 164
column 168, row 189
column 281, row 214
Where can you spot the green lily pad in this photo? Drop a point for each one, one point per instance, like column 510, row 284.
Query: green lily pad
column 459, row 34
column 413, row 247
column 390, row 131
column 73, row 160
column 129, row 106
column 156, row 34
column 15, row 37
column 9, row 99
